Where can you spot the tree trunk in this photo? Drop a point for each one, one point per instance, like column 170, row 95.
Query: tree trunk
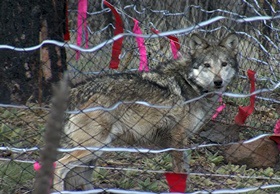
column 53, row 58
column 20, row 72
column 19, row 28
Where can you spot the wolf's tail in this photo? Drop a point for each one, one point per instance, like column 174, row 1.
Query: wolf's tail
column 54, row 128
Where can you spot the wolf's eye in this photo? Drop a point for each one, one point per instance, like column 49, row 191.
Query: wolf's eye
column 224, row 64
column 207, row 65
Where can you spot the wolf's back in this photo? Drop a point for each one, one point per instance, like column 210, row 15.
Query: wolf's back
column 121, row 87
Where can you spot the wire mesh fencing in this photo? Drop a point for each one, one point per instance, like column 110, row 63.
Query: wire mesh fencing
column 141, row 118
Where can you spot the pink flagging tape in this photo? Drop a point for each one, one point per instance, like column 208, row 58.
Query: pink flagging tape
column 174, row 43
column 220, row 108
column 276, row 136
column 174, row 49
column 143, row 65
column 276, row 129
column 246, row 111
column 154, row 30
column 117, row 45
column 37, row 166
column 82, row 25
column 218, row 111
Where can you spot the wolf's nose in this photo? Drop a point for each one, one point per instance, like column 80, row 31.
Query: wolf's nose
column 218, row 83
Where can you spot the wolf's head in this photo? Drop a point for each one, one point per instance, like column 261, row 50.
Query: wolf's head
column 213, row 66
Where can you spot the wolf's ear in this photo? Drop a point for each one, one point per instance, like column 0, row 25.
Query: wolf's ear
column 197, row 44
column 230, row 42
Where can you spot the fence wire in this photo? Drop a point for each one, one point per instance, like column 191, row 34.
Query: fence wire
column 223, row 157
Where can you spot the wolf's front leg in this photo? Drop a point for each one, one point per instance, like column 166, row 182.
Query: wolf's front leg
column 180, row 165
column 179, row 141
column 79, row 178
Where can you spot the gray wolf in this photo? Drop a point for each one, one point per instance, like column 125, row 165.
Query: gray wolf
column 209, row 68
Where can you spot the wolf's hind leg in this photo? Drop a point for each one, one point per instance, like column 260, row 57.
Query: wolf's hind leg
column 83, row 130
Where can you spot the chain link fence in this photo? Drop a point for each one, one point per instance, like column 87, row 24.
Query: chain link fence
column 225, row 156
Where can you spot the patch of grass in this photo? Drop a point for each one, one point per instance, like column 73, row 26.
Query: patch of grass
column 21, row 127
column 16, row 177
column 129, row 181
column 149, row 185
column 214, row 158
column 158, row 162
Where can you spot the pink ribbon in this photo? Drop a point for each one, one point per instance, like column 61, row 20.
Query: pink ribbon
column 246, row 111
column 143, row 65
column 117, row 45
column 37, row 167
column 276, row 136
column 174, row 43
column 277, row 127
column 82, row 25
column 154, row 30
column 219, row 109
